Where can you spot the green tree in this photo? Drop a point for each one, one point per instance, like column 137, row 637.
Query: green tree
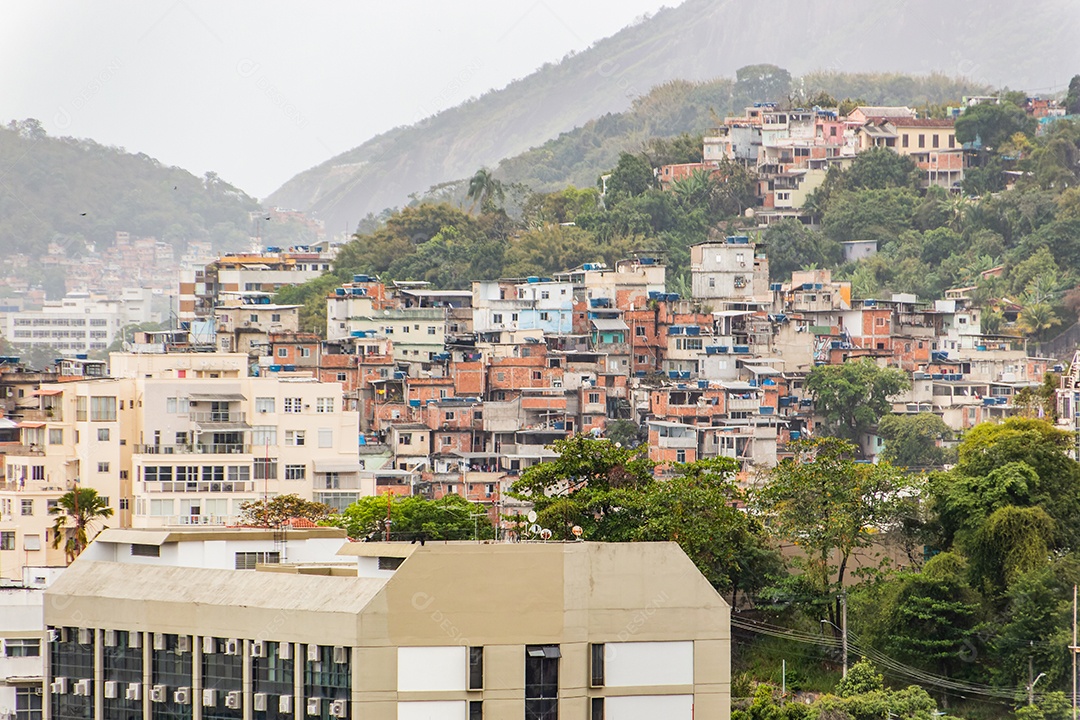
column 76, row 512
column 862, row 677
column 1012, row 541
column 762, row 83
column 624, row 432
column 632, row 176
column 913, row 440
column 1072, row 97
column 485, row 189
column 280, row 509
column 992, row 124
column 790, row 245
column 879, row 215
column 413, row 517
column 881, row 169
column 829, row 506
column 853, row 396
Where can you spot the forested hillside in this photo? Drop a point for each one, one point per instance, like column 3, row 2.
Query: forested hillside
column 70, row 190
column 699, row 40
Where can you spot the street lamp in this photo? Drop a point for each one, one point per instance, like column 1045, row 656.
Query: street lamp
column 843, row 637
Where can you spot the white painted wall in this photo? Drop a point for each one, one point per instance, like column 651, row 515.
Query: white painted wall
column 649, row 707
column 428, row 669
column 638, row 664
column 442, row 710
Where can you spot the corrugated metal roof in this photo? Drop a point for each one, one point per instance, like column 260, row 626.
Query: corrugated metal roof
column 609, row 324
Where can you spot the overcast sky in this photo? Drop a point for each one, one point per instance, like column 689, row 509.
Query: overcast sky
column 258, row 91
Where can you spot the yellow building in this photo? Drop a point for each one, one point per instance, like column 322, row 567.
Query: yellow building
column 457, row 631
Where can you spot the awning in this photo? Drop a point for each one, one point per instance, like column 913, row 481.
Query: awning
column 53, row 391
column 8, row 424
column 762, row 369
column 221, row 397
column 609, row 324
column 337, row 465
column 31, row 424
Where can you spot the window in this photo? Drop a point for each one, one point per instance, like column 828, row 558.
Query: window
column 305, row 352
column 28, row 703
column 275, row 317
column 253, row 318
column 175, row 405
column 935, row 140
column 248, row 560
column 390, row 563
column 141, row 550
column 103, row 409
column 431, row 330
column 56, row 436
column 26, row 507
column 103, row 434
column 596, row 665
column 680, row 456
column 295, row 472
column 476, row 710
column 476, row 668
column 282, row 352
column 542, row 682
column 594, row 398
column 544, row 295
column 103, row 467
column 263, row 435
column 326, row 437
column 294, row 405
column 324, row 405
column 22, row 647
column 295, row 437
column 922, row 141
column 904, row 140
column 449, row 415
column 342, row 377
column 545, row 316
column 597, row 710
column 264, row 404
column 952, row 140
column 265, row 469
column 7, row 540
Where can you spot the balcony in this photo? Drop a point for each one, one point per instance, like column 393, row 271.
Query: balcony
column 199, row 486
column 197, row 449
column 743, row 404
column 217, row 416
column 46, row 415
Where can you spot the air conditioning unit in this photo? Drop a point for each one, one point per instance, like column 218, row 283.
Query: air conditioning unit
column 159, row 693
column 59, row 686
column 112, row 689
column 284, row 704
column 82, row 687
column 234, row 699
column 258, row 702
column 86, row 636
column 183, row 643
column 209, row 698
column 314, row 706
column 341, row 655
column 134, row 640
column 182, row 696
column 110, row 638
column 284, row 651
column 54, row 635
column 313, row 653
column 159, row 641
column 339, row 708
column 209, row 646
column 258, row 649
column 232, row 647
column 133, row 691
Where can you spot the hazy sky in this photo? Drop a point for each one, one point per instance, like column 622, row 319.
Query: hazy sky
column 258, row 91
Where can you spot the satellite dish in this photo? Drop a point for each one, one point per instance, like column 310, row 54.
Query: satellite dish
column 545, row 534
column 532, row 516
column 535, row 529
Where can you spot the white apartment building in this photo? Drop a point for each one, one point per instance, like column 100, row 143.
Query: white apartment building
column 418, row 333
column 79, row 323
column 175, row 440
column 729, row 269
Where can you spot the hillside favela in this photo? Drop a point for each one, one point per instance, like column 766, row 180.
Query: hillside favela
column 539, row 361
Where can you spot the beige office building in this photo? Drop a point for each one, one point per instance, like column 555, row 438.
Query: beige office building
column 460, row 631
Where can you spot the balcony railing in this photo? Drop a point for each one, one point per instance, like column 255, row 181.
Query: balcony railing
column 217, row 416
column 199, row 486
column 194, row 449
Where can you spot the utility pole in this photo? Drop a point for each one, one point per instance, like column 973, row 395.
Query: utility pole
column 843, row 628
column 1074, row 648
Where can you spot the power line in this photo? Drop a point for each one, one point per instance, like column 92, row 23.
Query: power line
column 888, row 665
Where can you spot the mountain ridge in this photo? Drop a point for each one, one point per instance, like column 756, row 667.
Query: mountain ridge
column 695, row 41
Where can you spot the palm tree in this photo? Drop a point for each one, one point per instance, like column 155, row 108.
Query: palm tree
column 1037, row 318
column 484, row 189
column 75, row 512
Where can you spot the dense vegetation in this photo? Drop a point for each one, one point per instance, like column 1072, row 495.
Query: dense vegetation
column 75, row 192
